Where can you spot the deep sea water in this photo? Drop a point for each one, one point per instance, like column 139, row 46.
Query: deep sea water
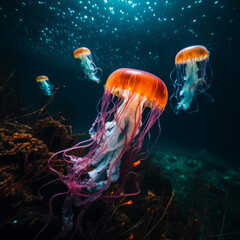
column 38, row 38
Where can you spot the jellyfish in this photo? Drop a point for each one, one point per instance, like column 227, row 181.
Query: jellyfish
column 117, row 136
column 45, row 85
column 191, row 78
column 89, row 67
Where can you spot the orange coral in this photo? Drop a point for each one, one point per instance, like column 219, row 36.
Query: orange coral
column 19, row 143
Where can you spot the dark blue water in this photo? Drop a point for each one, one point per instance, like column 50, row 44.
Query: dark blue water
column 39, row 37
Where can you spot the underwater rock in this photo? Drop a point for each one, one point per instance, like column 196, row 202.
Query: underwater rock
column 20, row 145
column 23, row 170
column 56, row 135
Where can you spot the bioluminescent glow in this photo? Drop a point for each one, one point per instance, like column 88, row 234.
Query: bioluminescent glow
column 89, row 68
column 45, row 85
column 191, row 78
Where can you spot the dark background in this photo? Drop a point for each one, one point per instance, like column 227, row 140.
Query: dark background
column 149, row 43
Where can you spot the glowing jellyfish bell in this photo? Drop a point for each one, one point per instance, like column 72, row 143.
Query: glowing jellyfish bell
column 191, row 78
column 116, row 138
column 45, row 85
column 89, row 67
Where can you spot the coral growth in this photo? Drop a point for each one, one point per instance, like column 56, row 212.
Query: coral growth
column 21, row 155
column 56, row 135
column 20, row 144
column 23, row 170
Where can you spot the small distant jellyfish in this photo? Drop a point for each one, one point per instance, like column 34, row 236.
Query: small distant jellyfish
column 191, row 79
column 89, row 67
column 45, row 85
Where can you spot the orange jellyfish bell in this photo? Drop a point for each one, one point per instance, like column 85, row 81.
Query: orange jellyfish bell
column 41, row 78
column 137, row 81
column 196, row 53
column 81, row 51
column 45, row 85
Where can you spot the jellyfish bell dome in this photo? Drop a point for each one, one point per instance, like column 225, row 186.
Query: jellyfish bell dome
column 42, row 78
column 195, row 53
column 81, row 51
column 140, row 82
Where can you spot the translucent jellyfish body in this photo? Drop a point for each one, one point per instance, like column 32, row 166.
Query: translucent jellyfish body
column 191, row 78
column 89, row 67
column 116, row 138
column 45, row 85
